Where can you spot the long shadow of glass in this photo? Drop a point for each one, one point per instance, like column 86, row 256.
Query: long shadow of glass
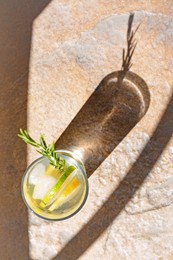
column 106, row 118
column 124, row 192
column 16, row 20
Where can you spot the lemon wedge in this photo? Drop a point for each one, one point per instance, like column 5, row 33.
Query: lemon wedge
column 52, row 171
column 68, row 192
column 52, row 192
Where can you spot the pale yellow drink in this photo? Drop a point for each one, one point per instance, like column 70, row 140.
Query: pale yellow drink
column 52, row 194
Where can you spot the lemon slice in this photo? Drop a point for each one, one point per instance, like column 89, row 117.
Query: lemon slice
column 68, row 192
column 51, row 193
column 52, row 171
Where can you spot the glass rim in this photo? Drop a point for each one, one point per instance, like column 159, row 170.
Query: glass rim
column 86, row 192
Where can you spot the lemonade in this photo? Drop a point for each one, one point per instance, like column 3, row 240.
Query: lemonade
column 54, row 194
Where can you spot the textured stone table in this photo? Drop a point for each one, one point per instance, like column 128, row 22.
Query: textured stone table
column 74, row 45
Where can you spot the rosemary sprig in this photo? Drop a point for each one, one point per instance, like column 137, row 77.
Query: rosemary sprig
column 44, row 149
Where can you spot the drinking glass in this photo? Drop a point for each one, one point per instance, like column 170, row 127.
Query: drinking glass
column 40, row 184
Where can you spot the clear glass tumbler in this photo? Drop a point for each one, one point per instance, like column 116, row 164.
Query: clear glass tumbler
column 55, row 195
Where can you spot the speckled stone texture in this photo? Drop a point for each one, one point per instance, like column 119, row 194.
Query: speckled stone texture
column 128, row 214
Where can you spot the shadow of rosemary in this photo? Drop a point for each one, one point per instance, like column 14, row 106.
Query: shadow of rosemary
column 117, row 104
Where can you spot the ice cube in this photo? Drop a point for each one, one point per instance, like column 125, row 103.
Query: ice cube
column 36, row 173
column 44, row 184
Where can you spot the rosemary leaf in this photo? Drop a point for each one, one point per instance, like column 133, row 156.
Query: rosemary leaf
column 44, row 149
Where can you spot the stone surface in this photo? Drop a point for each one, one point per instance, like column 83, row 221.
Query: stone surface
column 128, row 214
column 16, row 18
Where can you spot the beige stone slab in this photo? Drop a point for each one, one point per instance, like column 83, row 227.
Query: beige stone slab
column 129, row 208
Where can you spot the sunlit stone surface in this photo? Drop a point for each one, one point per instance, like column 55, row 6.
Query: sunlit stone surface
column 74, row 45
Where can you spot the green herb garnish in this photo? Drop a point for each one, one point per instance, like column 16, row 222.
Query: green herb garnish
column 44, row 149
